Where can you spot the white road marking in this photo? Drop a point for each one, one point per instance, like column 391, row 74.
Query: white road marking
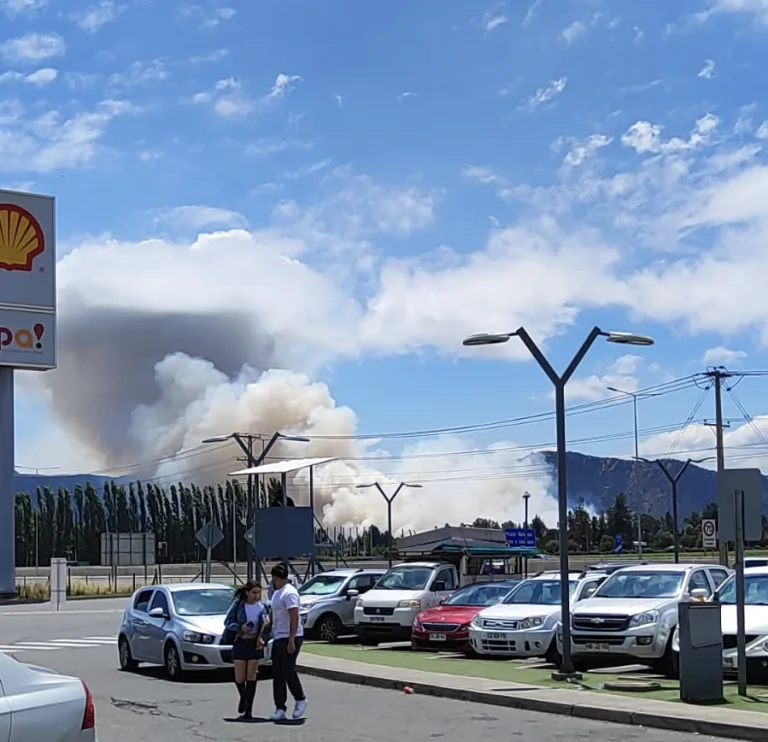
column 33, row 646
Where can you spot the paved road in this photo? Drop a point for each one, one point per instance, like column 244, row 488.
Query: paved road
column 144, row 705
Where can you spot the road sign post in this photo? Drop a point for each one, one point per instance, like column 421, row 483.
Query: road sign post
column 740, row 515
column 618, row 544
column 209, row 537
column 709, row 533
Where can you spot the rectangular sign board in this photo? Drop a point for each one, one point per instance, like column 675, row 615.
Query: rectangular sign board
column 27, row 281
column 520, row 538
column 750, row 482
column 709, row 533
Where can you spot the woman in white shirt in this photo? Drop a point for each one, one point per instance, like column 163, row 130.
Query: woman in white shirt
column 245, row 623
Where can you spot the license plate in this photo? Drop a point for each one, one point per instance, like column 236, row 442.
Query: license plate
column 437, row 637
column 377, row 619
column 497, row 636
column 598, row 647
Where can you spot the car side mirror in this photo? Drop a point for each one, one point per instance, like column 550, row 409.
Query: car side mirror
column 158, row 613
column 438, row 587
column 699, row 594
column 352, row 593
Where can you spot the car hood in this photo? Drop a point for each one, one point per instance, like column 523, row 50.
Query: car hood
column 620, row 606
column 756, row 619
column 381, row 598
column 204, row 624
column 517, row 611
column 459, row 614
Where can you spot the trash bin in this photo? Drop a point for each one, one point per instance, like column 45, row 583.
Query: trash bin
column 701, row 652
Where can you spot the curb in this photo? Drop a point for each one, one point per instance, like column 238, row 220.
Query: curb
column 721, row 729
column 70, row 599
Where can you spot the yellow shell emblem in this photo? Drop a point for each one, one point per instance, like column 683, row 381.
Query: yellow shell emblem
column 21, row 238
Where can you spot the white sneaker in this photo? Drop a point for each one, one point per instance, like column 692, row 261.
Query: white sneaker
column 279, row 715
column 300, row 710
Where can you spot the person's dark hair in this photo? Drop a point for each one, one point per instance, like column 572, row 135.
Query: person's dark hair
column 280, row 571
column 242, row 591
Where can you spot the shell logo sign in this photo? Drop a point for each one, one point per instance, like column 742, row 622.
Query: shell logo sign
column 21, row 238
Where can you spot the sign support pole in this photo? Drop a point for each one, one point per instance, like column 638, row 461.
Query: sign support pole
column 741, row 639
column 7, row 486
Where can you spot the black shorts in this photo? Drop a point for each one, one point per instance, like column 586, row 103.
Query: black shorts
column 246, row 650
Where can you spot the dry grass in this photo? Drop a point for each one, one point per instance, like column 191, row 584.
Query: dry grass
column 77, row 589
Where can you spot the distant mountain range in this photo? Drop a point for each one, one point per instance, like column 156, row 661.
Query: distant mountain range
column 592, row 479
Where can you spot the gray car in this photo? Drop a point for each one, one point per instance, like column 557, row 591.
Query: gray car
column 177, row 626
column 328, row 601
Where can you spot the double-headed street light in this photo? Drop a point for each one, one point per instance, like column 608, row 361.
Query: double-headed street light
column 390, row 499
column 245, row 441
column 559, row 382
column 673, row 480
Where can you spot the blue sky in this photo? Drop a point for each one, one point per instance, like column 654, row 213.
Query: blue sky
column 371, row 182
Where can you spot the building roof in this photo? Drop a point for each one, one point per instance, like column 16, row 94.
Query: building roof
column 478, row 541
column 282, row 467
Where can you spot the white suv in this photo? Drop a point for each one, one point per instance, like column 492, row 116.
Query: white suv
column 632, row 616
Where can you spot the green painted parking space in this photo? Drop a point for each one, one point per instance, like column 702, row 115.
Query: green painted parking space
column 525, row 672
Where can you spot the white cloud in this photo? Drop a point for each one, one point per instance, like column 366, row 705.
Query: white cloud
column 646, row 138
column 708, row 70
column 572, row 32
column 404, row 96
column 284, row 84
column 94, row 18
column 721, row 355
column 207, row 18
column 530, row 15
column 52, row 141
column 545, row 95
column 274, row 145
column 21, row 7
column 229, row 100
column 580, row 151
column 34, row 47
column 492, row 20
column 621, row 375
column 198, row 218
column 40, row 78
column 758, row 9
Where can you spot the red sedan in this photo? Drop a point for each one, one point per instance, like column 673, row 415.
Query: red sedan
column 446, row 627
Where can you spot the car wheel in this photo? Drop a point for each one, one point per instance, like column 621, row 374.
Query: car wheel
column 553, row 656
column 329, row 628
column 173, row 662
column 127, row 663
column 669, row 666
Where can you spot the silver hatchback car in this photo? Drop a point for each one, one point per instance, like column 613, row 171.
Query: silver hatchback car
column 177, row 626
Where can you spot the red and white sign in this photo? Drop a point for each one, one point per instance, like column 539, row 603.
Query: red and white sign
column 709, row 533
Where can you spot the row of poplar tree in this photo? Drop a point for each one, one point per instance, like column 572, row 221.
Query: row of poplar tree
column 70, row 524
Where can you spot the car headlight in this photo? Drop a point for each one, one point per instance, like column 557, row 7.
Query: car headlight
column 409, row 604
column 416, row 623
column 359, row 603
column 476, row 622
column 765, row 646
column 532, row 622
column 464, row 627
column 197, row 638
column 644, row 619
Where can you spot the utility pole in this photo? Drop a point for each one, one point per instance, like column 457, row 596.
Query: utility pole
column 526, row 497
column 717, row 374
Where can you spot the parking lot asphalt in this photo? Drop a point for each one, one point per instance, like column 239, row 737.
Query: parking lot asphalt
column 80, row 641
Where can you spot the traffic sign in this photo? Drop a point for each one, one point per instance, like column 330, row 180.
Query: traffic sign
column 520, row 538
column 750, row 483
column 209, row 536
column 250, row 537
column 618, row 544
column 709, row 533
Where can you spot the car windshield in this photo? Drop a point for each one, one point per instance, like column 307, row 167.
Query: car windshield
column 322, row 585
column 538, row 592
column 405, row 578
column 203, row 602
column 484, row 594
column 755, row 590
column 638, row 584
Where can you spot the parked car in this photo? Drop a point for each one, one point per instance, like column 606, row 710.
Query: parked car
column 632, row 616
column 523, row 623
column 328, row 601
column 756, row 622
column 386, row 612
column 40, row 704
column 446, row 626
column 178, row 626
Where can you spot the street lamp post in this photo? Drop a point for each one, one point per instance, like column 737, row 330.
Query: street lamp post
column 673, row 480
column 245, row 441
column 389, row 500
column 559, row 382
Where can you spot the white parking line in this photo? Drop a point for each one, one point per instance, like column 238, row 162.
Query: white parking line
column 33, row 646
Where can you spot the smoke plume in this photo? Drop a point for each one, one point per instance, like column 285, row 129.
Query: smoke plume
column 163, row 345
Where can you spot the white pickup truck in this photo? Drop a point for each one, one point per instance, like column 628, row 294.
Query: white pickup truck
column 386, row 612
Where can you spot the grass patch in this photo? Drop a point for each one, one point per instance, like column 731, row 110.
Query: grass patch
column 513, row 671
column 77, row 589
